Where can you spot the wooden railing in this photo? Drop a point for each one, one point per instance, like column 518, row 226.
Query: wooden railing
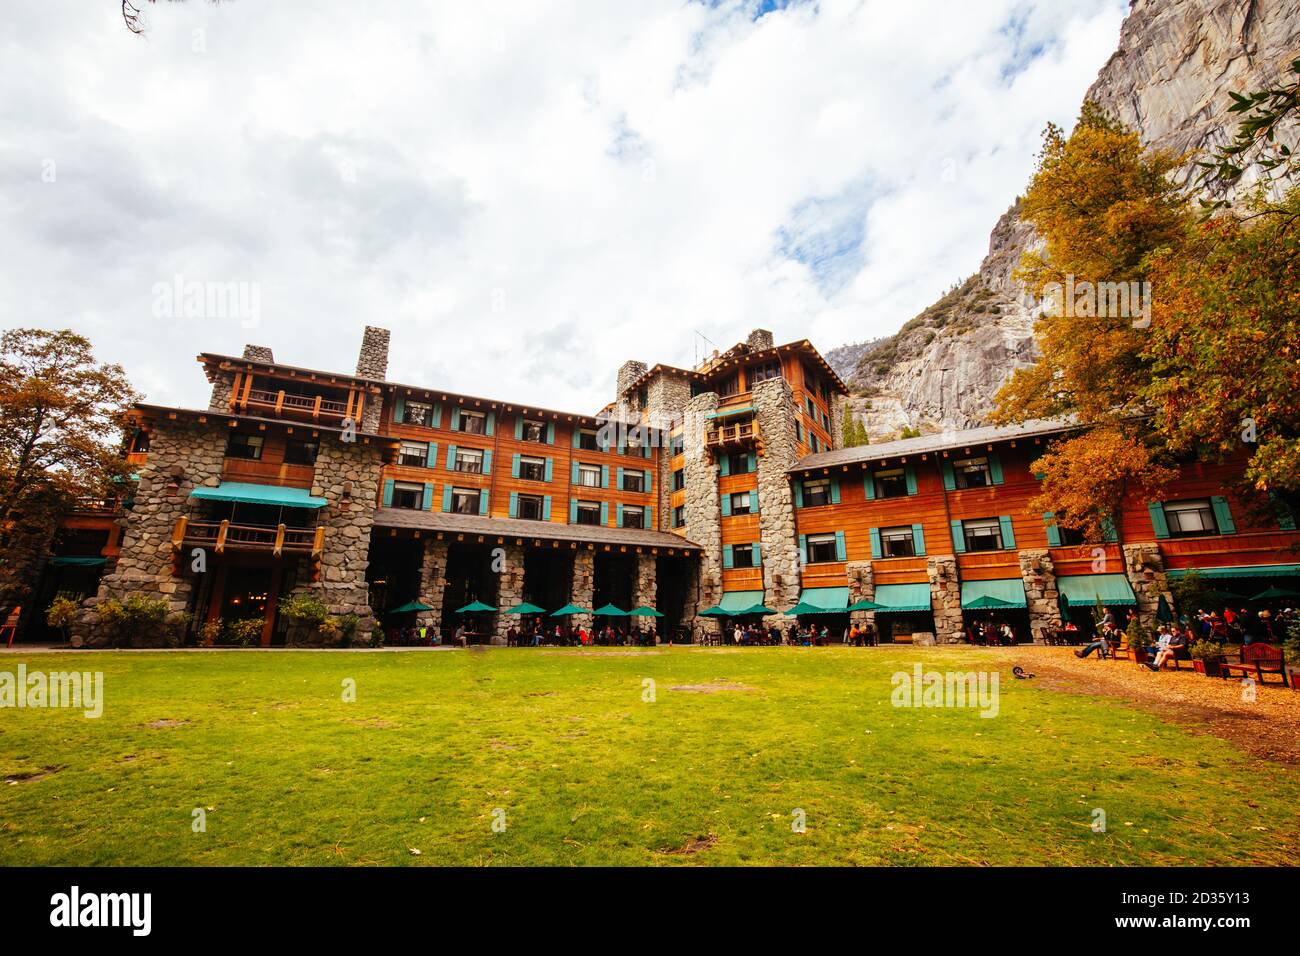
column 739, row 433
column 280, row 401
column 220, row 535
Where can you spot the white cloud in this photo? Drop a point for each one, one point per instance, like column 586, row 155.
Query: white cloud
column 615, row 175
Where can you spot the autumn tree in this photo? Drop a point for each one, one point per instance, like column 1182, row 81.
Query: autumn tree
column 60, row 440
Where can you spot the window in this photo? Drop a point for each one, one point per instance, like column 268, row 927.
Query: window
column 634, row 481
column 475, row 423
column 469, row 460
column 742, row 555
column 298, row 452
column 530, row 507
column 408, row 495
column 798, row 430
column 679, row 516
column 676, row 444
column 679, row 479
column 891, row 483
column 984, row 534
column 587, row 440
column 533, row 431
column 897, row 543
column 821, row 547
column 633, row 517
column 816, row 491
column 740, row 503
column 729, row 386
column 1070, row 536
column 245, row 446
column 417, row 413
column 588, row 512
column 589, row 476
column 140, row 441
column 464, row 501
column 738, row 463
column 971, row 473
column 413, row 453
column 761, row 373
column 1190, row 517
column 634, row 446
column 532, row 469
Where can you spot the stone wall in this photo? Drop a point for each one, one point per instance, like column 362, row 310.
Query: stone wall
column 1144, row 567
column 774, row 413
column 510, row 589
column 372, row 360
column 1039, row 576
column 582, row 589
column 371, row 414
column 666, row 397
column 223, row 387
column 862, row 586
column 945, row 598
column 760, row 340
column 647, row 584
column 259, row 353
column 703, row 509
column 433, row 581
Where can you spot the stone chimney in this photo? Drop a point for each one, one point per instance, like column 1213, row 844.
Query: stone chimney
column 258, row 353
column 628, row 373
column 759, row 340
column 372, row 362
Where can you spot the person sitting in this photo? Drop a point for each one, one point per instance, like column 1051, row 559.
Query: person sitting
column 1101, row 645
column 1177, row 641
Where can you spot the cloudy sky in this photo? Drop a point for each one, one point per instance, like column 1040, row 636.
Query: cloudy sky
column 526, row 193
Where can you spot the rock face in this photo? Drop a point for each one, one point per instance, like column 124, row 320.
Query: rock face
column 1177, row 60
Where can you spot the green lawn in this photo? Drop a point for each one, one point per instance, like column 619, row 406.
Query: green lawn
column 589, row 773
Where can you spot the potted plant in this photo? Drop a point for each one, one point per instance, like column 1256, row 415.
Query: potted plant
column 244, row 632
column 61, row 613
column 1207, row 658
column 209, row 632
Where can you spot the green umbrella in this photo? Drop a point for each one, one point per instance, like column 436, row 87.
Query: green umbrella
column 986, row 601
column 410, row 606
column 865, row 605
column 569, row 609
column 715, row 611
column 1063, row 604
column 1163, row 613
column 1230, row 597
column 609, row 611
column 474, row 608
column 758, row 609
column 805, row 608
column 526, row 608
column 643, row 611
column 1273, row 593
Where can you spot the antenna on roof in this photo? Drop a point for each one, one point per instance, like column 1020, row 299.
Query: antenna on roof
column 697, row 345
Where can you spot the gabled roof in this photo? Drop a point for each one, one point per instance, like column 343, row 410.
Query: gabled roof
column 317, row 373
column 522, row 528
column 737, row 353
column 168, row 411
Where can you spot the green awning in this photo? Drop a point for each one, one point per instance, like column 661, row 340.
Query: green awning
column 475, row 607
column 828, row 599
column 903, row 598
column 569, row 609
column 728, row 412
column 644, row 611
column 738, row 602
column 250, row 494
column 1009, row 590
column 74, row 561
column 409, row 607
column 1256, row 571
column 759, row 609
column 526, row 608
column 609, row 610
column 1088, row 589
column 801, row 609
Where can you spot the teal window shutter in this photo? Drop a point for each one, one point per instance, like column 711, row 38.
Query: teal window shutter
column 546, row 507
column 876, row 552
column 1053, row 532
column 426, row 503
column 618, row 480
column 995, row 468
column 573, row 511
column 1157, row 511
column 618, row 515
column 918, row 539
column 909, row 474
column 753, row 462
column 547, row 473
column 604, row 512
column 1008, row 535
column 869, row 485
column 839, row 546
column 798, row 493
column 451, row 457
column 724, row 466
column 649, row 517
column 835, row 489
column 487, row 461
column 388, row 493
column 758, row 554
column 753, row 502
column 604, row 476
column 490, row 422
column 446, row 498
column 514, row 465
column 576, row 437
column 649, row 480
column 455, row 418
column 399, row 407
column 573, row 480
column 1108, row 530
column 949, row 480
column 958, row 536
column 803, row 549
column 1223, row 515
column 437, row 414
column 726, row 505
column 483, row 502
column 514, row 504
column 550, row 433
column 519, row 427
column 727, row 560
column 431, row 456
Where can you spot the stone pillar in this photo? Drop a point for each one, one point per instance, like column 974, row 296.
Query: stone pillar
column 433, row 581
column 774, row 416
column 666, row 396
column 372, row 360
column 510, row 589
column 839, row 409
column 703, row 509
column 582, row 590
column 1039, row 576
column 945, row 598
column 1144, row 566
column 862, row 584
column 647, row 587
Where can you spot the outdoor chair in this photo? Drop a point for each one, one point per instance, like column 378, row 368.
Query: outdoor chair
column 10, row 627
column 1258, row 660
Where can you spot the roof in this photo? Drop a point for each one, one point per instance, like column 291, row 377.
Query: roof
column 497, row 403
column 522, row 528
column 292, row 423
column 739, row 353
column 206, row 357
column 930, row 443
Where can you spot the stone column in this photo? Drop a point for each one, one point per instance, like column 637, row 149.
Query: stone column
column 647, row 585
column 774, row 414
column 433, row 581
column 582, row 590
column 1144, row 566
column 510, row 589
column 666, row 397
column 945, row 598
column 862, row 584
column 703, row 509
column 1039, row 576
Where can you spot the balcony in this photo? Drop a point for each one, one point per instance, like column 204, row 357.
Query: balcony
column 280, row 403
column 265, row 539
column 722, row 436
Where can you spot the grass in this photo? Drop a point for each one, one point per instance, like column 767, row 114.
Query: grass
column 587, row 772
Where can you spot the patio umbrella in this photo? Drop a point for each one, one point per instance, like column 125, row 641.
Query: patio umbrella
column 1230, row 597
column 526, row 608
column 758, row 609
column 866, row 605
column 474, row 608
column 986, row 602
column 714, row 611
column 1063, row 604
column 1163, row 613
column 1272, row 594
column 609, row 611
column 569, row 609
column 643, row 611
column 410, row 606
column 804, row 608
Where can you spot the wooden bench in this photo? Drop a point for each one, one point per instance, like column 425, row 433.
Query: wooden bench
column 1258, row 660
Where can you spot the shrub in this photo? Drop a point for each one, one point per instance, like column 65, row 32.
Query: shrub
column 244, row 632
column 209, row 633
column 138, row 621
column 61, row 613
column 1205, row 651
